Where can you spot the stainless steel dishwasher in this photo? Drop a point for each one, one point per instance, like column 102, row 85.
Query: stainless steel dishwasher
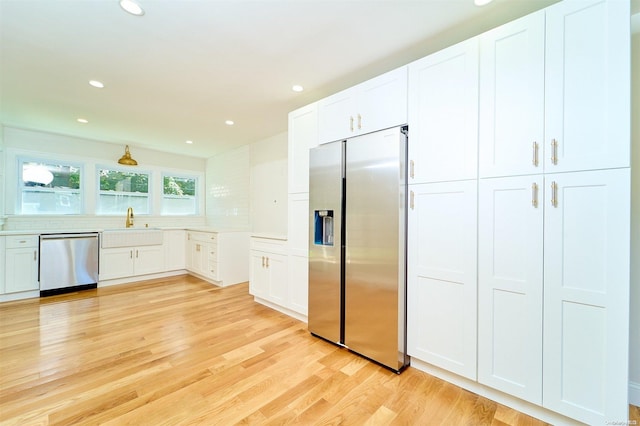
column 68, row 262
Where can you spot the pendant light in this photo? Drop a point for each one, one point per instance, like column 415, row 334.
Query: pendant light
column 126, row 158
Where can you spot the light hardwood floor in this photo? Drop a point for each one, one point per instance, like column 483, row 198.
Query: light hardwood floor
column 182, row 352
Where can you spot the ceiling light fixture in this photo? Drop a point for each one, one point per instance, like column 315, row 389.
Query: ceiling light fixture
column 96, row 83
column 229, row 123
column 132, row 7
column 481, row 2
column 126, row 158
column 189, row 142
column 82, row 120
column 297, row 88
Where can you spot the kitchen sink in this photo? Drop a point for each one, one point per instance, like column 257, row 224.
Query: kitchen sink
column 130, row 237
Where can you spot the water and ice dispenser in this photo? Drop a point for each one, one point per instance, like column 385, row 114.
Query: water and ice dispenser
column 323, row 227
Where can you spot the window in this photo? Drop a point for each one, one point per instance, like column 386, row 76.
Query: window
column 121, row 189
column 48, row 187
column 179, row 195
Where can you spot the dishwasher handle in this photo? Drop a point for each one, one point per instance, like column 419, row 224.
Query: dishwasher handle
column 66, row 236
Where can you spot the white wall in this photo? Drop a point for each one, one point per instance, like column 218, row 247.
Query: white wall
column 634, row 353
column 269, row 186
column 228, row 190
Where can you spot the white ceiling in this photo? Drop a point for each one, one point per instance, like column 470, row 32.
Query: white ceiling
column 186, row 66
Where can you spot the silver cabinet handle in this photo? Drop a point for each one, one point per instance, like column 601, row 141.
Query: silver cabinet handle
column 554, row 194
column 35, row 255
column 351, row 123
column 535, row 154
column 130, row 254
column 411, row 200
column 534, row 194
column 412, row 165
column 554, row 152
column 136, row 254
column 359, row 122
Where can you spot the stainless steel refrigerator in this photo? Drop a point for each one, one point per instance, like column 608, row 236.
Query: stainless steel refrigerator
column 357, row 245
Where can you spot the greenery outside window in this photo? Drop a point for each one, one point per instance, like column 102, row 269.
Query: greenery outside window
column 49, row 187
column 121, row 189
column 179, row 195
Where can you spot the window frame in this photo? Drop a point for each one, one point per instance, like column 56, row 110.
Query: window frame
column 195, row 196
column 123, row 169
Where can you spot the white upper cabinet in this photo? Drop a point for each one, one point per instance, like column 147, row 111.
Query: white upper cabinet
column 376, row 104
column 586, row 294
column 512, row 98
column 303, row 135
column 443, row 115
column 587, row 87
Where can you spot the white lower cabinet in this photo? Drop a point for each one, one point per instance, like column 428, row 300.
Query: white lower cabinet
column 175, row 249
column 510, row 238
column 553, row 291
column 586, row 294
column 268, row 275
column 219, row 257
column 21, row 263
column 122, row 262
column 442, row 275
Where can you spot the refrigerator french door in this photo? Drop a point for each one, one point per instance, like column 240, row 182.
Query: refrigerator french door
column 357, row 253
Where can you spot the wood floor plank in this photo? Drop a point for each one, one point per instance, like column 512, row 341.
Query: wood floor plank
column 179, row 351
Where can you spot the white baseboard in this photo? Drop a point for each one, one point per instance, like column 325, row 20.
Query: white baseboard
column 128, row 280
column 634, row 393
column 282, row 309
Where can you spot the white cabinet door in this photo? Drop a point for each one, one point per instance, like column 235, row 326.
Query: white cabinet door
column 586, row 295
column 276, row 265
column 442, row 276
column 116, row 263
column 175, row 249
column 148, row 260
column 512, row 97
column 510, row 285
column 303, row 135
column 21, row 269
column 259, row 277
column 382, row 102
column 443, row 115
column 587, row 85
column 336, row 116
column 2, row 261
column 376, row 104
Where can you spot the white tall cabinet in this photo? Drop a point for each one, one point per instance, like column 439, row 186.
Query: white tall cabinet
column 442, row 218
column 554, row 247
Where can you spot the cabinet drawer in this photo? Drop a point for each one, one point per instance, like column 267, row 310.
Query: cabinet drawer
column 205, row 237
column 271, row 245
column 213, row 252
column 20, row 241
column 213, row 270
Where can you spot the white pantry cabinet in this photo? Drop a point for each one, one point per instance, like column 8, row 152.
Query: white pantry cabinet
column 586, row 294
column 302, row 136
column 21, row 263
column 122, row 262
column 510, row 287
column 512, row 97
column 298, row 252
column 376, row 104
column 442, row 275
column 587, row 93
column 2, row 262
column 268, row 275
column 443, row 115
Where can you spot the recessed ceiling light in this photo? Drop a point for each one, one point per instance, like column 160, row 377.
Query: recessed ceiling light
column 132, row 7
column 189, row 142
column 229, row 122
column 481, row 2
column 83, row 120
column 96, row 83
column 297, row 88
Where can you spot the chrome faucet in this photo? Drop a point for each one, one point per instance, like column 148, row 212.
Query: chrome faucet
column 129, row 222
